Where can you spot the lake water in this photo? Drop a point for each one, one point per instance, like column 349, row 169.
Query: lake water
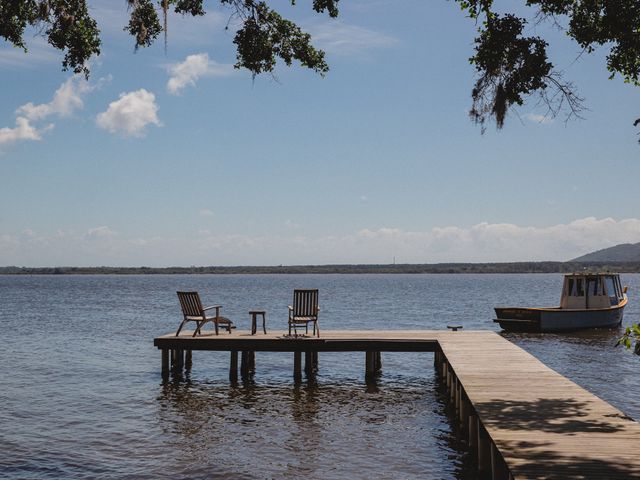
column 81, row 393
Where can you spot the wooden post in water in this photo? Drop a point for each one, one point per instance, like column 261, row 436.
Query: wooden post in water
column 165, row 362
column 188, row 359
column 447, row 376
column 315, row 361
column 179, row 359
column 378, row 365
column 244, row 364
column 452, row 391
column 473, row 431
column 297, row 366
column 252, row 362
column 233, row 366
column 499, row 469
column 369, row 365
column 308, row 363
column 484, row 449
column 464, row 412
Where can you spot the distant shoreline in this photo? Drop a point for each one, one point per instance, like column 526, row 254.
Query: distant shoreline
column 434, row 268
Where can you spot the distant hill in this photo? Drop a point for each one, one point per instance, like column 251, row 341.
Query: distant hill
column 625, row 252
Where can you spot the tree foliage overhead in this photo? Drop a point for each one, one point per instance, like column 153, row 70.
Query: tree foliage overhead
column 511, row 65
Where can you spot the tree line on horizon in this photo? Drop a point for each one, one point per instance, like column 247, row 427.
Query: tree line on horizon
column 434, row 268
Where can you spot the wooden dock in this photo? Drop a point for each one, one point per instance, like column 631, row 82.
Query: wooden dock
column 520, row 418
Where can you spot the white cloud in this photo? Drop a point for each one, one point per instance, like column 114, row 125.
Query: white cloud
column 99, row 232
column 22, row 131
column 193, row 67
column 484, row 242
column 66, row 100
column 130, row 114
column 342, row 39
column 542, row 119
column 205, row 212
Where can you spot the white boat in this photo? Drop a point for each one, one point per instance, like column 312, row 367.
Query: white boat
column 588, row 300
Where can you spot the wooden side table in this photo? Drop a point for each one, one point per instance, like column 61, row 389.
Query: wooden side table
column 254, row 314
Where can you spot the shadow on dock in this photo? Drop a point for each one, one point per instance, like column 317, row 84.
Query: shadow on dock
column 563, row 415
column 536, row 461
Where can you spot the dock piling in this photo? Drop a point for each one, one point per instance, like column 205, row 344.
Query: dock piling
column 233, row 366
column 165, row 362
column 297, row 366
column 308, row 363
column 369, row 371
column 464, row 412
column 178, row 360
column 484, row 449
column 499, row 470
column 188, row 360
column 244, row 364
column 472, row 425
column 252, row 362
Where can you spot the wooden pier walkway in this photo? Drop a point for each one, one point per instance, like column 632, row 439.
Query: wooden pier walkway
column 520, row 418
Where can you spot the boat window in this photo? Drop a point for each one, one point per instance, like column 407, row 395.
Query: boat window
column 592, row 286
column 611, row 290
column 570, row 287
column 618, row 286
column 600, row 286
column 579, row 287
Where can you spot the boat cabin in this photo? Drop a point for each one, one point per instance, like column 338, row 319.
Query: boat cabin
column 591, row 290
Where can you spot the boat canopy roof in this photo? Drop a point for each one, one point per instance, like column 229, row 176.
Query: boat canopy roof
column 591, row 290
column 592, row 274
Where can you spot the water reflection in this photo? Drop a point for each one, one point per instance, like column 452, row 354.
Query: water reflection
column 316, row 429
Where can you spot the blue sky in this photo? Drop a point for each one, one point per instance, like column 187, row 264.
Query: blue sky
column 178, row 159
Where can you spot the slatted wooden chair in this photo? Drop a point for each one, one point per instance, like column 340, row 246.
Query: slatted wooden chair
column 304, row 311
column 193, row 311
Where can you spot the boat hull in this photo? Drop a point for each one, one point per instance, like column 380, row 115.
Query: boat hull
column 519, row 319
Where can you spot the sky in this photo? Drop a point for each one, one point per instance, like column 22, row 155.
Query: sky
column 176, row 158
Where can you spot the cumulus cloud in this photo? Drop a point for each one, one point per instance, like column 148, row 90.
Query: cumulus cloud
column 67, row 99
column 187, row 73
column 22, row 131
column 99, row 232
column 484, row 242
column 130, row 114
column 342, row 39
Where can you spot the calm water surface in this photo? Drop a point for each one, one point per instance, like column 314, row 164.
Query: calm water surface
column 81, row 393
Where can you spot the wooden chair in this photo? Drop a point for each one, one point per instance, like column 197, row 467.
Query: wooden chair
column 304, row 311
column 193, row 311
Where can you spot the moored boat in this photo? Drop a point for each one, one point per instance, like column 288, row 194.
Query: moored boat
column 588, row 300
